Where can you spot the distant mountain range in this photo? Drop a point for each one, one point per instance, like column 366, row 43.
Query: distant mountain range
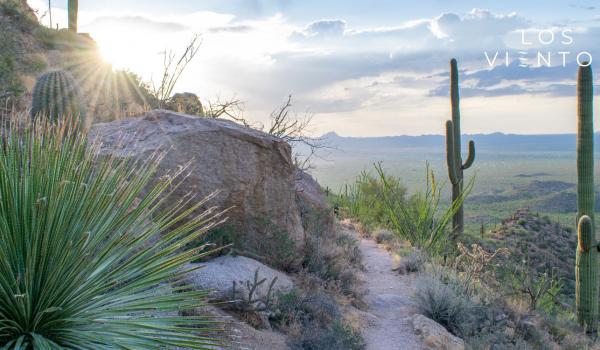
column 496, row 142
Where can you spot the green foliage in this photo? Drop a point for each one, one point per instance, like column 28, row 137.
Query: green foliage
column 453, row 152
column 421, row 220
column 88, row 260
column 587, row 253
column 539, row 290
column 56, row 95
column 363, row 200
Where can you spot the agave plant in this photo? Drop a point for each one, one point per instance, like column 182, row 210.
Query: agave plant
column 77, row 269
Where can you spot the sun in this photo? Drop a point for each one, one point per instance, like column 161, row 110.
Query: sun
column 125, row 49
column 113, row 50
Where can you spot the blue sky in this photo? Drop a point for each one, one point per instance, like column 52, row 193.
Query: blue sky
column 364, row 68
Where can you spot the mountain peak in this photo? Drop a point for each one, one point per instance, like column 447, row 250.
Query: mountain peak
column 330, row 135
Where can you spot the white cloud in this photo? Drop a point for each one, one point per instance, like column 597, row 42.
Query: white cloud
column 385, row 75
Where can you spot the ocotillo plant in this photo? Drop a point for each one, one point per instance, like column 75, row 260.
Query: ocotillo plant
column 73, row 7
column 56, row 95
column 453, row 151
column 586, row 265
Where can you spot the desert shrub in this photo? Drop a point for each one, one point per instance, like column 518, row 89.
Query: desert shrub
column 414, row 261
column 333, row 257
column 87, row 261
column 465, row 310
column 445, row 302
column 363, row 200
column 421, row 221
column 477, row 266
column 538, row 289
column 382, row 236
column 313, row 320
column 337, row 337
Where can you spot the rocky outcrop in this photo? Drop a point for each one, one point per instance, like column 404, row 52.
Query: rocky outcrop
column 434, row 335
column 315, row 212
column 309, row 190
column 252, row 170
column 219, row 274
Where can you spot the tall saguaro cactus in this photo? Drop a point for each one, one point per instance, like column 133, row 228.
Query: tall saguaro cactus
column 73, row 7
column 453, row 151
column 586, row 265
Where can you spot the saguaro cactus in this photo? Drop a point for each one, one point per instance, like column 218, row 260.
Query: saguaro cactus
column 56, row 95
column 586, row 265
column 453, row 151
column 73, row 7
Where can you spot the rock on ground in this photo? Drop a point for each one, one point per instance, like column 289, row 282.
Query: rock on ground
column 434, row 335
column 252, row 170
column 218, row 275
column 238, row 335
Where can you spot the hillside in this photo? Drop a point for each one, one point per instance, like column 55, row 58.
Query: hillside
column 541, row 245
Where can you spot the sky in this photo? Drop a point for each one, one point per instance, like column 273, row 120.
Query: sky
column 363, row 67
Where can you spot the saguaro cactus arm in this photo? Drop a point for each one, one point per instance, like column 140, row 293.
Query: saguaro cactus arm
column 470, row 156
column 585, row 235
column 586, row 274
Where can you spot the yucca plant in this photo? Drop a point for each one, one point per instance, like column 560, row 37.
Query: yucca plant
column 421, row 220
column 89, row 256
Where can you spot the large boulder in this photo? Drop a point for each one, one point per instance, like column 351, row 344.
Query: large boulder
column 252, row 170
column 219, row 274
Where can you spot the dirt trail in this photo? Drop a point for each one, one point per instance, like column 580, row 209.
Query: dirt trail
column 388, row 300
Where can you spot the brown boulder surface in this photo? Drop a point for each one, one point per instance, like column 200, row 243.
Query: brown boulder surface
column 434, row 335
column 252, row 170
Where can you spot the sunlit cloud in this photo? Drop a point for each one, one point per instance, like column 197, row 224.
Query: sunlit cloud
column 357, row 79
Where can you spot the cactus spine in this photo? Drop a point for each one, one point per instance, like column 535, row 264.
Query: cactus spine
column 586, row 265
column 73, row 7
column 56, row 96
column 453, row 151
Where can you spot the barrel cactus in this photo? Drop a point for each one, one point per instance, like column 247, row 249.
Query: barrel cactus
column 56, row 96
column 586, row 265
column 453, row 151
column 73, row 7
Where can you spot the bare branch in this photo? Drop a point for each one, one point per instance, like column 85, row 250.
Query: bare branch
column 173, row 68
column 295, row 130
